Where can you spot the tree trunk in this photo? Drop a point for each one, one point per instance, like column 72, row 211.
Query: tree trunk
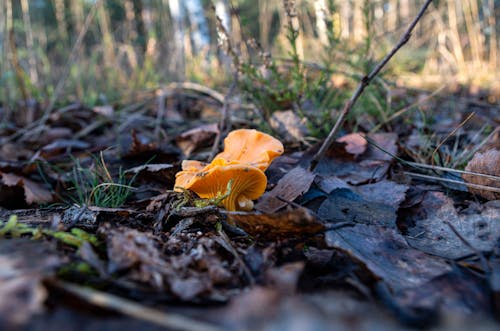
column 178, row 52
column 33, row 73
column 200, row 35
column 321, row 12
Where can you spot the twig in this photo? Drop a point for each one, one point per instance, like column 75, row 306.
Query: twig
column 130, row 308
column 431, row 167
column 225, row 120
column 365, row 81
column 439, row 179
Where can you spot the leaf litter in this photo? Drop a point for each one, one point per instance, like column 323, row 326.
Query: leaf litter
column 354, row 243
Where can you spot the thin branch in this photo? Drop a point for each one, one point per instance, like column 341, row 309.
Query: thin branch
column 365, row 81
column 439, row 179
column 129, row 308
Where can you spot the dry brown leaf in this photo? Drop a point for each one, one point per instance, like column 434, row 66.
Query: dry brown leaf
column 292, row 185
column 487, row 163
column 201, row 136
column 356, row 144
column 33, row 192
column 287, row 224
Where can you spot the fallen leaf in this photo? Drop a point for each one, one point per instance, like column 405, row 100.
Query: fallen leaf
column 33, row 192
column 385, row 192
column 456, row 292
column 344, row 205
column 201, row 136
column 432, row 235
column 286, row 224
column 355, row 143
column 163, row 174
column 292, row 185
column 387, row 255
column 370, row 166
column 24, row 264
column 487, row 163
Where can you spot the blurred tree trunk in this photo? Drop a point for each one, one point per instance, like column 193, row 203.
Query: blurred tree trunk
column 178, row 53
column 77, row 13
column 359, row 31
column 141, row 35
column 200, row 34
column 62, row 26
column 223, row 12
column 321, row 12
column 130, row 19
column 107, row 39
column 493, row 35
column 33, row 73
column 345, row 15
column 265, row 17
column 471, row 15
column 454, row 33
column 404, row 10
column 392, row 15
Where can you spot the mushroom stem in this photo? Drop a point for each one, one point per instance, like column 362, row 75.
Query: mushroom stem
column 244, row 203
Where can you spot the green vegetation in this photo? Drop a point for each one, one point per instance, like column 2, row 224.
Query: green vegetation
column 95, row 186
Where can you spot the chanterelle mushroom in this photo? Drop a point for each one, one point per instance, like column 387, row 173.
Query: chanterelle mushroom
column 248, row 183
column 247, row 153
column 251, row 147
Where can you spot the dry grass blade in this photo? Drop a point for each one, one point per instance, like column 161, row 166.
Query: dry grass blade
column 471, row 115
column 132, row 309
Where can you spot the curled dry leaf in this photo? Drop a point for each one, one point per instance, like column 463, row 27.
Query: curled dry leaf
column 33, row 192
column 487, row 163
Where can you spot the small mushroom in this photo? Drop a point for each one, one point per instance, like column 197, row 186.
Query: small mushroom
column 247, row 154
column 251, row 147
column 189, row 169
column 248, row 183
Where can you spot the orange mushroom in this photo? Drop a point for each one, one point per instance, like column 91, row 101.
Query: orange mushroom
column 189, row 169
column 248, row 183
column 247, row 153
column 251, row 147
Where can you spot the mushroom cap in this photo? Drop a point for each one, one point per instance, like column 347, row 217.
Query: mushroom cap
column 249, row 183
column 189, row 169
column 251, row 147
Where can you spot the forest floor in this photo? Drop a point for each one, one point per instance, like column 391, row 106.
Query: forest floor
column 383, row 234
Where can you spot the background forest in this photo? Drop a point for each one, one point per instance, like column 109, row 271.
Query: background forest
column 102, row 51
column 136, row 184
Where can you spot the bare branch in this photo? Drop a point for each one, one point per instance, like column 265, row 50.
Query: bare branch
column 365, row 81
